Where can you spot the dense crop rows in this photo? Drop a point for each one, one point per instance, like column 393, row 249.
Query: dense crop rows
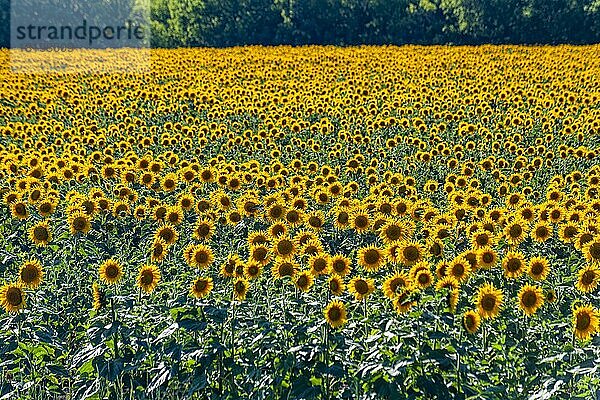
column 370, row 222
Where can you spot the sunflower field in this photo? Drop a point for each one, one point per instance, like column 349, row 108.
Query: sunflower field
column 303, row 223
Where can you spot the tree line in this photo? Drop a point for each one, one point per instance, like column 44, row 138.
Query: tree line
column 220, row 23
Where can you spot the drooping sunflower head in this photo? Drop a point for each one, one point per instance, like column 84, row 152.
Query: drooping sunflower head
column 111, row 271
column 31, row 274
column 99, row 297
column 335, row 314
column 591, row 251
column 148, row 277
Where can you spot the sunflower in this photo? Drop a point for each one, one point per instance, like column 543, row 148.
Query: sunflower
column 410, row 252
column 423, row 278
column 336, row 285
column 240, row 289
column 341, row 217
column 568, row 231
column 486, row 257
column 392, row 232
column 228, row 268
column 79, row 222
column 340, row 265
column 40, row 233
column 513, row 264
column 447, row 282
column 585, row 321
column 277, row 229
column 459, row 269
column 200, row 256
column 99, row 297
column 359, row 220
column 258, row 237
column 319, row 264
column 19, row 210
column 316, row 220
column 335, row 314
column 12, row 297
column 204, row 229
column 361, row 287
column 174, row 215
column 591, row 251
column 403, row 302
column 31, row 274
column 260, row 254
column 283, row 247
column 489, row 300
column 167, row 233
column 515, row 231
column 158, row 251
column 252, row 270
column 148, row 277
column 304, row 281
column 541, row 232
column 395, row 284
column 482, row 238
column 111, row 271
column 538, row 268
column 371, row 258
column 201, row 287
column 587, row 278
column 530, row 299
column 283, row 268
column 471, row 321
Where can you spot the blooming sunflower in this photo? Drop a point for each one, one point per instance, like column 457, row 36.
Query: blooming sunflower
column 319, row 264
column 12, row 297
column 340, row 265
column 304, row 281
column 283, row 247
column 513, row 264
column 585, row 321
column 515, row 231
column 541, row 232
column 336, row 285
column 167, row 233
column 403, row 302
column 361, row 287
column 591, row 251
column 531, row 298
column 587, row 278
column 410, row 252
column 201, row 287
column 201, row 256
column 148, row 277
column 335, row 314
column 538, row 268
column 79, row 222
column 31, row 274
column 252, row 270
column 459, row 269
column 487, row 257
column 240, row 289
column 260, row 254
column 471, row 321
column 111, row 271
column 40, row 233
column 489, row 300
column 158, row 251
column 371, row 258
column 395, row 284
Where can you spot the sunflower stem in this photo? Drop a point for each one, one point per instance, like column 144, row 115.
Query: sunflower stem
column 458, row 382
column 232, row 345
column 114, row 319
column 327, row 383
